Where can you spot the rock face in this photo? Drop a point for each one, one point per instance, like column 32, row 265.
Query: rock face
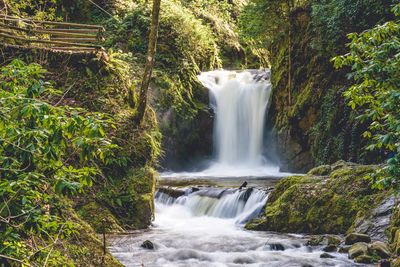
column 320, row 204
column 310, row 121
column 378, row 221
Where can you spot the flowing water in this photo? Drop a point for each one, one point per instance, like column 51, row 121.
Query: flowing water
column 240, row 102
column 204, row 225
column 205, row 228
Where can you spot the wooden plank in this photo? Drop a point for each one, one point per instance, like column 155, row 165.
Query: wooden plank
column 88, row 31
column 34, row 26
column 48, row 42
column 75, row 48
column 79, row 50
column 68, row 24
column 74, row 40
column 55, row 33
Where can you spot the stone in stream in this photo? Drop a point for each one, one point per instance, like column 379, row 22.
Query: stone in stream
column 276, row 246
column 379, row 248
column 364, row 259
column 147, row 245
column 246, row 194
column 171, row 191
column 326, row 256
column 353, row 238
column 344, row 249
column 358, row 249
column 330, row 248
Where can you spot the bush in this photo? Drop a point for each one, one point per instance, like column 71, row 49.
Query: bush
column 44, row 149
column 374, row 59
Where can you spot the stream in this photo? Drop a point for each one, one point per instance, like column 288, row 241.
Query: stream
column 206, row 228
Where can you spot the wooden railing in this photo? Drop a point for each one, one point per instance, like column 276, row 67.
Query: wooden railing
column 50, row 34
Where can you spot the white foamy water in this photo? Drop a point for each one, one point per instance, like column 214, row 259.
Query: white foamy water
column 240, row 102
column 205, row 228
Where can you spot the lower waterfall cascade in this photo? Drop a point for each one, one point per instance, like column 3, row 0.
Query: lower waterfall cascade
column 204, row 228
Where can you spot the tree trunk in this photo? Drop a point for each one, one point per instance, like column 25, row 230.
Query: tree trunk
column 148, row 70
column 290, row 67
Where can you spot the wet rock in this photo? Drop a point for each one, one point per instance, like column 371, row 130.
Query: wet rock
column 379, row 248
column 147, row 245
column 246, row 195
column 330, row 248
column 344, row 249
column 384, row 263
column 364, row 259
column 320, row 170
column 396, row 262
column 326, row 256
column 315, row 240
column 377, row 221
column 172, row 192
column 358, row 249
column 243, row 260
column 276, row 246
column 353, row 238
column 333, row 240
column 321, row 240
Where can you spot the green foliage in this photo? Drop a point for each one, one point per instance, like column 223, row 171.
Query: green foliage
column 333, row 19
column 266, row 21
column 374, row 59
column 185, row 46
column 42, row 9
column 44, row 149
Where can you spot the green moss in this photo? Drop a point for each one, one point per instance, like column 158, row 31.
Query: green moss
column 100, row 218
column 320, row 204
column 84, row 248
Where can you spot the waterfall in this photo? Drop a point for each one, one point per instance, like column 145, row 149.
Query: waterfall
column 239, row 100
column 241, row 205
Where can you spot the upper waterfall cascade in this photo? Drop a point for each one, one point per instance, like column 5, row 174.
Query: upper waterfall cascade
column 239, row 100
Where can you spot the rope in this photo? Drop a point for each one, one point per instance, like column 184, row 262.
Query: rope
column 102, row 9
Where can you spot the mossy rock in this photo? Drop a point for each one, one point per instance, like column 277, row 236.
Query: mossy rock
column 358, row 249
column 320, row 170
column 353, row 238
column 364, row 259
column 319, row 204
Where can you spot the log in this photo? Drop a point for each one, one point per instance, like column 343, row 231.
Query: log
column 81, row 51
column 69, row 24
column 74, row 40
column 50, row 32
column 27, row 40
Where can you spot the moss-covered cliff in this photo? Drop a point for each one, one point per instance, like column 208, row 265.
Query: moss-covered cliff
column 310, row 120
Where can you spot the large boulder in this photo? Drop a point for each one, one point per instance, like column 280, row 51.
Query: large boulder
column 380, row 249
column 317, row 204
column 358, row 249
column 353, row 238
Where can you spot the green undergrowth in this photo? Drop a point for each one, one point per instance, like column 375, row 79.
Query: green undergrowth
column 121, row 194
